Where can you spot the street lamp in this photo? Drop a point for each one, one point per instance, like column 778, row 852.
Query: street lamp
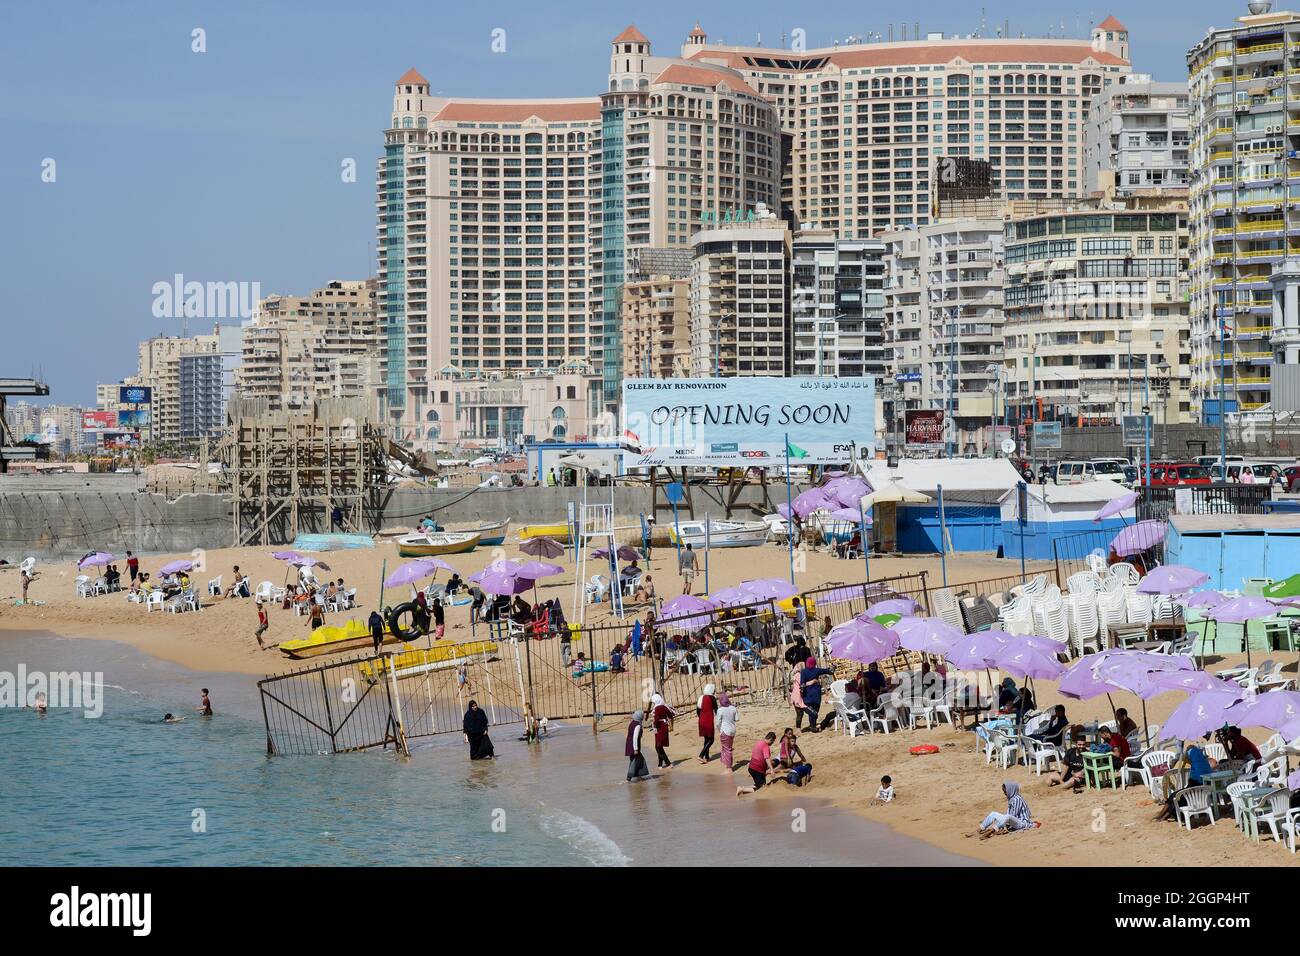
column 994, row 387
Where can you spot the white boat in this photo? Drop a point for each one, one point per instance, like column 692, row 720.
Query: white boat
column 437, row 542
column 722, row 534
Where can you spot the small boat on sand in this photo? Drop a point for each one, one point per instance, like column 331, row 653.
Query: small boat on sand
column 423, row 545
column 491, row 535
column 721, row 534
column 558, row 532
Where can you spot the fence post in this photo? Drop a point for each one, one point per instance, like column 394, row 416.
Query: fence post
column 591, row 658
column 925, row 592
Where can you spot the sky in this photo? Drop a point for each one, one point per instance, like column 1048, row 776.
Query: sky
column 127, row 158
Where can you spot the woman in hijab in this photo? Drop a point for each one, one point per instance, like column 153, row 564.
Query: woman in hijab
column 796, row 698
column 726, row 723
column 636, row 768
column 705, row 709
column 1008, row 696
column 661, row 716
column 1017, row 816
column 476, row 733
column 811, row 679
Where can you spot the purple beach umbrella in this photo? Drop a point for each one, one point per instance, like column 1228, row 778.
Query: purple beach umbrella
column 1081, row 681
column 96, row 559
column 972, row 652
column 1131, row 671
column 812, row 500
column 928, row 635
column 1242, row 610
column 413, row 571
column 542, row 548
column 1199, row 714
column 286, row 555
column 625, row 553
column 900, row 606
column 503, row 566
column 851, row 514
column 770, row 589
column 538, row 569
column 687, row 612
column 175, row 567
column 1026, row 660
column 1274, row 710
column 862, row 641
column 783, row 510
column 732, row 597
column 1205, row 599
column 503, row 582
column 1139, row 537
column 1171, row 579
column 1116, row 506
column 846, row 492
column 1194, row 682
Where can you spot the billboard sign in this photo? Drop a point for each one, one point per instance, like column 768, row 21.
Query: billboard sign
column 1047, row 436
column 98, row 421
column 135, row 394
column 923, row 428
column 133, row 418
column 728, row 422
column 121, row 440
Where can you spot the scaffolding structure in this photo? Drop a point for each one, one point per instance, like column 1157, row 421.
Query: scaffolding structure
column 284, row 472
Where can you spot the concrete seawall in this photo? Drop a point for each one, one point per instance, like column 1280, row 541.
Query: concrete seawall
column 62, row 516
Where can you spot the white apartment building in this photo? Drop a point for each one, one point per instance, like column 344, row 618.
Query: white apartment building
column 491, row 411
column 1245, row 291
column 482, row 241
column 837, row 305
column 1137, row 137
column 870, row 120
column 943, row 312
column 740, row 299
column 1096, row 303
column 326, row 344
column 158, row 366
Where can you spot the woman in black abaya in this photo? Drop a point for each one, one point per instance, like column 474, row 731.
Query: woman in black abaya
column 476, row 733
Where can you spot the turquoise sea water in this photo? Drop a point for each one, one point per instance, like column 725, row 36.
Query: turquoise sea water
column 122, row 789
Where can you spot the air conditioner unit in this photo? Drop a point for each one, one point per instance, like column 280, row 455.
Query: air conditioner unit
column 1274, row 129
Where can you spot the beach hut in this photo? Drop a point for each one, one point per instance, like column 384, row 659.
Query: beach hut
column 973, row 489
column 1055, row 510
column 1234, row 549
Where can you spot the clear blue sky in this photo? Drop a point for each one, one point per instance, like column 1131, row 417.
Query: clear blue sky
column 225, row 165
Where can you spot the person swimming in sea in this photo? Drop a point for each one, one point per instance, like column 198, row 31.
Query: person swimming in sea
column 205, row 705
column 171, row 719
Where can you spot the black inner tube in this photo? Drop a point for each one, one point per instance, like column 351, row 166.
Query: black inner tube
column 409, row 633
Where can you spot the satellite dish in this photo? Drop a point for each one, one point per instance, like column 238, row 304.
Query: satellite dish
column 1008, row 446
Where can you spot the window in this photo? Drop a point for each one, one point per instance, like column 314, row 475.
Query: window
column 557, row 413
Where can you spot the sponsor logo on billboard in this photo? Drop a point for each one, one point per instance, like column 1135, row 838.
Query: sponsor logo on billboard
column 924, row 427
column 135, row 394
column 720, row 447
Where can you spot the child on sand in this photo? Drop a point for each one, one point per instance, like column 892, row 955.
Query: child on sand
column 886, row 792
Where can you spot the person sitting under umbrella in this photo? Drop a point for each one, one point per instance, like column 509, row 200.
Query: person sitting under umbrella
column 1071, row 772
column 1198, row 764
column 454, row 584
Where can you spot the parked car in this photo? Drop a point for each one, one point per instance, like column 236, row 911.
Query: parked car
column 1170, row 474
column 1209, row 461
column 1107, row 469
column 1291, row 476
column 1077, row 472
column 1259, row 474
column 1130, row 475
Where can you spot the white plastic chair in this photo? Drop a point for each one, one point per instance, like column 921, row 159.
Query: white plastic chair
column 851, row 722
column 263, row 592
column 1042, row 754
column 1196, row 801
column 85, row 588
column 886, row 713
column 155, row 599
column 1273, row 813
column 1234, row 791
column 705, row 662
column 1154, row 758
column 214, row 586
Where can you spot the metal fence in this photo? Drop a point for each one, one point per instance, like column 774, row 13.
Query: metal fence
column 1158, row 503
column 1073, row 553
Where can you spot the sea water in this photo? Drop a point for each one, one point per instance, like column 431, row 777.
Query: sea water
column 127, row 789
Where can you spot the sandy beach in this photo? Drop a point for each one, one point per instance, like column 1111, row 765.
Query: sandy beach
column 941, row 798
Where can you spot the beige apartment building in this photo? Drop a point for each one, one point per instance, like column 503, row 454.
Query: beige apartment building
column 1096, row 312
column 297, row 349
column 491, row 411
column 740, row 299
column 944, row 313
column 482, row 251
column 158, row 365
column 657, row 327
column 870, row 120
column 1245, row 292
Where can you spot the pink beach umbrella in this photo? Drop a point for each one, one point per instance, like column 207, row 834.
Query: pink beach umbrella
column 96, row 559
column 1116, row 506
column 1171, row 579
column 862, row 641
column 414, row 571
column 1199, row 714
column 1139, row 537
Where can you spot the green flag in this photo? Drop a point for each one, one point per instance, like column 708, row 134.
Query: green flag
column 794, row 451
